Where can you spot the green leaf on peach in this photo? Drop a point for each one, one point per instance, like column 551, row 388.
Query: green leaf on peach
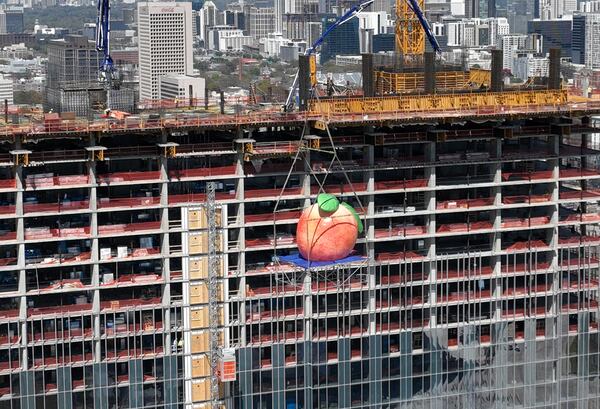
column 328, row 203
column 356, row 216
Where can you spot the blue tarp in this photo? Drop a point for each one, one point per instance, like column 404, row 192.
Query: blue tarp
column 298, row 260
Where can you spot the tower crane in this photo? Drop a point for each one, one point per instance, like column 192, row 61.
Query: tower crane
column 411, row 29
column 349, row 15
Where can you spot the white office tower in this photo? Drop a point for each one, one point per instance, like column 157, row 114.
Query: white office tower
column 6, row 90
column 553, row 9
column 208, row 18
column 165, row 43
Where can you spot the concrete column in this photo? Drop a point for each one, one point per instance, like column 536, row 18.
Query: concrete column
column 430, row 220
column 496, row 219
column 303, row 81
column 369, row 207
column 497, row 66
column 20, row 229
column 165, row 246
column 241, row 267
column 429, row 72
column 554, row 69
column 368, row 75
column 95, row 251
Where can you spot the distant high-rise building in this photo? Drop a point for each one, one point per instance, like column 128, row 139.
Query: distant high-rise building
column 472, row 8
column 518, row 13
column 165, row 43
column 6, row 90
column 261, row 22
column 586, row 40
column 344, row 40
column 208, row 18
column 555, row 33
column 72, row 60
column 511, row 44
column 13, row 17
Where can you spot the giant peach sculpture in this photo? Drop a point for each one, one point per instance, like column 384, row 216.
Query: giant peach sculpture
column 327, row 230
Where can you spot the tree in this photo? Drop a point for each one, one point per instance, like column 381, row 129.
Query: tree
column 28, row 97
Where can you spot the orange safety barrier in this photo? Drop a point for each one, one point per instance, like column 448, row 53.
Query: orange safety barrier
column 523, row 268
column 579, row 194
column 259, row 193
column 272, row 148
column 10, row 209
column 401, row 231
column 544, row 174
column 11, row 235
column 526, row 199
column 106, row 203
column 566, row 262
column 277, row 290
column 6, row 340
column 464, row 227
column 524, row 245
column 64, row 334
column 281, row 241
column 128, row 177
column 131, row 227
column 465, row 203
column 330, row 285
column 395, row 279
column 276, row 216
column 398, row 256
column 8, row 261
column 129, row 304
column 577, row 173
column 202, row 172
column 59, row 310
column 45, row 233
column 55, row 207
column 63, row 284
column 401, row 184
column 8, row 183
column 8, row 314
column 476, row 272
column 585, row 304
column 532, row 221
column 578, row 240
column 340, row 189
column 584, row 218
column 278, row 337
column 585, row 283
column 39, row 182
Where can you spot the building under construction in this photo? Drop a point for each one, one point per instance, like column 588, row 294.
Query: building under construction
column 144, row 260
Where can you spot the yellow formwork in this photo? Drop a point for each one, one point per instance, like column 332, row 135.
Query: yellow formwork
column 404, row 82
column 443, row 102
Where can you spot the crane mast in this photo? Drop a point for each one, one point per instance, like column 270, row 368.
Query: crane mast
column 410, row 35
column 412, row 28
